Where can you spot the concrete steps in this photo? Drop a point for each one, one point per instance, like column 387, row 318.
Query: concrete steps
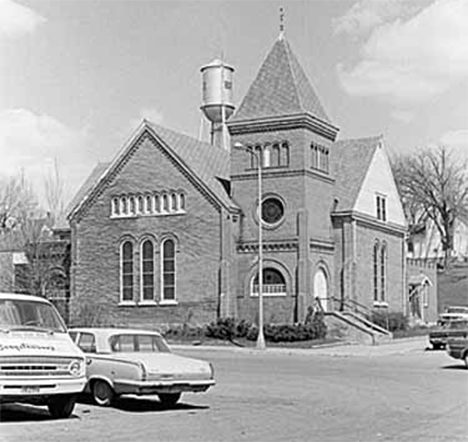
column 352, row 327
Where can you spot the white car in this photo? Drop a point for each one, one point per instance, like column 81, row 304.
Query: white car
column 128, row 361
column 39, row 363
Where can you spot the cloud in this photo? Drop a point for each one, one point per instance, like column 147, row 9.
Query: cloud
column 365, row 15
column 411, row 61
column 32, row 143
column 16, row 19
column 458, row 141
column 404, row 116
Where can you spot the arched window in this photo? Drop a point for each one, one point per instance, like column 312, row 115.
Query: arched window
column 168, row 270
column 174, row 202
column 115, row 206
column 140, row 204
column 273, row 283
column 276, row 157
column 147, row 271
column 126, row 272
column 148, row 204
column 157, row 203
column 132, row 205
column 376, row 271
column 266, row 156
column 259, row 155
column 165, row 203
column 383, row 272
column 123, row 205
column 182, row 201
column 285, row 154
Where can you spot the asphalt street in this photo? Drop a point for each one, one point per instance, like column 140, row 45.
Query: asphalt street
column 393, row 392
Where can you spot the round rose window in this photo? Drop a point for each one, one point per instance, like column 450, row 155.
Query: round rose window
column 272, row 210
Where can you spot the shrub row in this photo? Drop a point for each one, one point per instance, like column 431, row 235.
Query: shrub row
column 230, row 329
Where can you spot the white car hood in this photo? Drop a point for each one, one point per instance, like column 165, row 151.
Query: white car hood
column 32, row 343
column 168, row 363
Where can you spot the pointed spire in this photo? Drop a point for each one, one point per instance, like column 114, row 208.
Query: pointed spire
column 280, row 89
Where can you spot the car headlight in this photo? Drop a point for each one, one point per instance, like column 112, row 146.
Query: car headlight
column 212, row 370
column 76, row 367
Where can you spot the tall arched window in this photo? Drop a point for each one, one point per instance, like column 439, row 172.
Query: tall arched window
column 173, row 202
column 276, row 157
column 168, row 270
column 383, row 272
column 182, row 201
column 165, row 203
column 126, row 271
column 285, row 154
column 376, row 271
column 115, row 206
column 147, row 271
column 266, row 156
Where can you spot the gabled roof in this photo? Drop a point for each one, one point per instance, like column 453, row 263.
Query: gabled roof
column 205, row 162
column 280, row 88
column 88, row 185
column 351, row 161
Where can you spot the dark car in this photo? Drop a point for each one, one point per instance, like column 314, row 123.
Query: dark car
column 457, row 348
column 452, row 329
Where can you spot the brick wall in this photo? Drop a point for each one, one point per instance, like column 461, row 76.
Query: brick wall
column 96, row 240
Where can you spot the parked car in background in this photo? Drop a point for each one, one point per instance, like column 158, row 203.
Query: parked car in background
column 455, row 328
column 457, row 348
column 453, row 313
column 127, row 361
column 39, row 363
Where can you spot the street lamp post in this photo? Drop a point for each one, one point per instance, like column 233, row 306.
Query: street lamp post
column 261, row 337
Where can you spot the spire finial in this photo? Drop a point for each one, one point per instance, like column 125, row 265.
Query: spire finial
column 281, row 17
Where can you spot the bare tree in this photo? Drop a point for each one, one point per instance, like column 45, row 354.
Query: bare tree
column 54, row 192
column 433, row 184
column 26, row 231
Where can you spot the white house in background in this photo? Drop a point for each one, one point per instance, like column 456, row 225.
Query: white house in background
column 426, row 243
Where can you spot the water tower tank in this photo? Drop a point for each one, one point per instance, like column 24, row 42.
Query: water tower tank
column 217, row 91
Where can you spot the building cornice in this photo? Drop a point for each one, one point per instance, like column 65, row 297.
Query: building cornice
column 251, row 174
column 284, row 122
column 367, row 220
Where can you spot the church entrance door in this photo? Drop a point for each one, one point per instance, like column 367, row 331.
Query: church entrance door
column 321, row 288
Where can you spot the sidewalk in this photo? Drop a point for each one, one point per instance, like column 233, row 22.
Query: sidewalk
column 396, row 346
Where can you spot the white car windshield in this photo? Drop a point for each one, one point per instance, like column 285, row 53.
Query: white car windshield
column 457, row 310
column 28, row 315
column 130, row 343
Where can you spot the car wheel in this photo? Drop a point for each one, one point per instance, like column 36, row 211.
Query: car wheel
column 102, row 392
column 169, row 399
column 61, row 406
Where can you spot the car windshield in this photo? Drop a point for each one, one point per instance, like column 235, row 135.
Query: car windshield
column 31, row 315
column 457, row 310
column 146, row 343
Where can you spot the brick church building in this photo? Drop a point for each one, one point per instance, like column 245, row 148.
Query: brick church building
column 168, row 231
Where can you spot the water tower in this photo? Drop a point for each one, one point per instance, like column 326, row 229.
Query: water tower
column 217, row 99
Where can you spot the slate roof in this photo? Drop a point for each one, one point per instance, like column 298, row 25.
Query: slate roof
column 280, row 88
column 88, row 185
column 350, row 162
column 205, row 162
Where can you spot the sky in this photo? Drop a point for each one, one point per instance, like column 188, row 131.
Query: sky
column 77, row 77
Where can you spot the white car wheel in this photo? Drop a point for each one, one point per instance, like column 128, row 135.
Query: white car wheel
column 102, row 392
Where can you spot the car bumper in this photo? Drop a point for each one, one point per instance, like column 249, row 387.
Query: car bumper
column 148, row 388
column 456, row 353
column 19, row 390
